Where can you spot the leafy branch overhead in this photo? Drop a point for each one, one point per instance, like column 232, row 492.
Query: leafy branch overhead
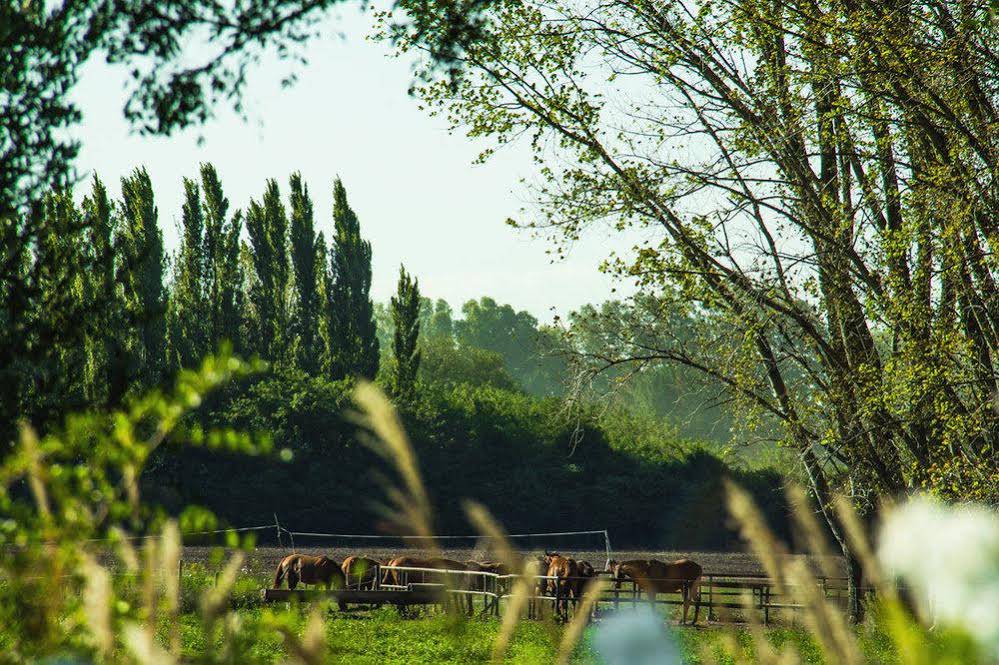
column 184, row 58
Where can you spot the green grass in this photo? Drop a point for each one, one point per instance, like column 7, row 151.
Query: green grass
column 382, row 636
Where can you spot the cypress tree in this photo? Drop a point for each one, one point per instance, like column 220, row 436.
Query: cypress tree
column 143, row 293
column 353, row 336
column 267, row 226
column 406, row 317
column 304, row 249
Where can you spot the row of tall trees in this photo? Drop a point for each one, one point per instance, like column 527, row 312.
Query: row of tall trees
column 264, row 281
column 83, row 304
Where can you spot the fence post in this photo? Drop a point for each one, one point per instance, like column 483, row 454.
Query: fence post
column 711, row 597
column 277, row 525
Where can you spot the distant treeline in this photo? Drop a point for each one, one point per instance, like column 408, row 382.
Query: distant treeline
column 513, row 452
column 101, row 312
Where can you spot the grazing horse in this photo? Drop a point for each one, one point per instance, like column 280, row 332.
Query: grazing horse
column 654, row 577
column 310, row 570
column 564, row 570
column 584, row 574
column 360, row 572
column 477, row 582
column 397, row 576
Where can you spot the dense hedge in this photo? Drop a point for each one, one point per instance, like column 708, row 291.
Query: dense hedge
column 512, row 452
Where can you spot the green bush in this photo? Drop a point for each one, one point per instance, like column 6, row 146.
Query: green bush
column 537, row 467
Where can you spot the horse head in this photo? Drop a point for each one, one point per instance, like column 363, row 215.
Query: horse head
column 614, row 568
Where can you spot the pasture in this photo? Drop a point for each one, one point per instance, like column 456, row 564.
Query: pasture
column 432, row 634
column 381, row 637
column 384, row 636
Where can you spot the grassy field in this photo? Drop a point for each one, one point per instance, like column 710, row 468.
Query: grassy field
column 381, row 636
column 384, row 636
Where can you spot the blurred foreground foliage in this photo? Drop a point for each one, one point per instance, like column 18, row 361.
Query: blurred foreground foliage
column 71, row 498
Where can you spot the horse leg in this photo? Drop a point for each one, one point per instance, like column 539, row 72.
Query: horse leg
column 696, row 591
column 292, row 579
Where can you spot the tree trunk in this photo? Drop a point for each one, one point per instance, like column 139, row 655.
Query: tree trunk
column 854, row 582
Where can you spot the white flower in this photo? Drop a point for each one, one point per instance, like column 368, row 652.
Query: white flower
column 638, row 637
column 949, row 557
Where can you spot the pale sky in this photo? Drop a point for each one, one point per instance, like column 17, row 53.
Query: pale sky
column 420, row 199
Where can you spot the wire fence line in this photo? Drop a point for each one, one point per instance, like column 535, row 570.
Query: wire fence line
column 452, row 537
column 241, row 529
column 280, row 530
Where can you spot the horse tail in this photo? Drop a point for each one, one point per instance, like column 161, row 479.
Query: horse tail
column 279, row 575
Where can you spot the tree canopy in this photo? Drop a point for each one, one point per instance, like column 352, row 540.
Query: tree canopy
column 819, row 177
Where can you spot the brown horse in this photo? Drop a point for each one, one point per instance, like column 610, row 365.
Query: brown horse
column 477, row 582
column 654, row 577
column 584, row 574
column 310, row 570
column 564, row 570
column 398, row 576
column 404, row 577
column 360, row 572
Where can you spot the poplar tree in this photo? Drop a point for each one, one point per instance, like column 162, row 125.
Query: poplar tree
column 406, row 317
column 223, row 274
column 143, row 266
column 323, row 280
column 304, row 249
column 353, row 342
column 57, row 381
column 267, row 225
column 105, row 370
column 189, row 315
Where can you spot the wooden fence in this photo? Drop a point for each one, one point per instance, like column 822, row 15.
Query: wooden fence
column 723, row 596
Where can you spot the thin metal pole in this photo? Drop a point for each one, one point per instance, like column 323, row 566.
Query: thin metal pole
column 277, row 525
